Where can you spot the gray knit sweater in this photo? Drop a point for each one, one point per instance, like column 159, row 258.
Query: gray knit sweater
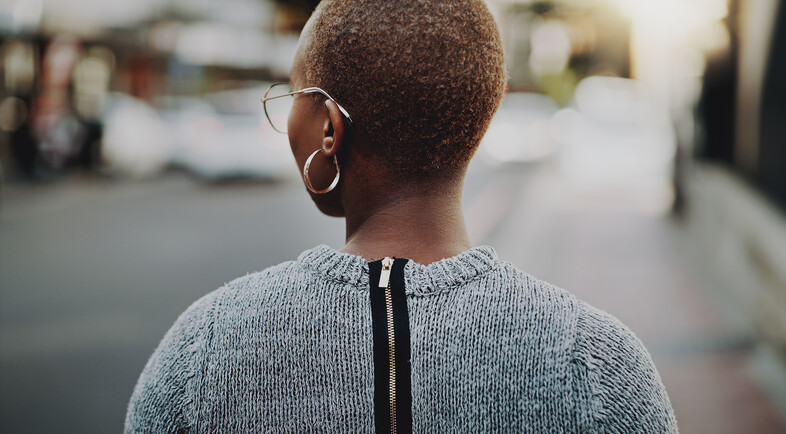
column 289, row 349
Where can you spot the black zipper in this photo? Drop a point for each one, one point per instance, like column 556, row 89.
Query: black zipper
column 390, row 326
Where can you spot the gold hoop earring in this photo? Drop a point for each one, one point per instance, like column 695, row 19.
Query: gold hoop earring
column 308, row 181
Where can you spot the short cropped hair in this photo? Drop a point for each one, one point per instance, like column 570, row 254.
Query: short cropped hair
column 420, row 78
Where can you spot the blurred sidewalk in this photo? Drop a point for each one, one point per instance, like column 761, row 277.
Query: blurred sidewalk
column 631, row 261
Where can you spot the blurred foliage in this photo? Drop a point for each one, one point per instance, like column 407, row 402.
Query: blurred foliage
column 541, row 7
column 559, row 87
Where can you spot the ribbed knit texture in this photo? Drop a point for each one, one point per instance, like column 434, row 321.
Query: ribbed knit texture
column 289, row 349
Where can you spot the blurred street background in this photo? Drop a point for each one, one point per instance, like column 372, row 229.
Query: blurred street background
column 639, row 161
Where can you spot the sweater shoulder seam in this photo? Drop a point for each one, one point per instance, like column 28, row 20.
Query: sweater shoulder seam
column 593, row 380
column 203, row 340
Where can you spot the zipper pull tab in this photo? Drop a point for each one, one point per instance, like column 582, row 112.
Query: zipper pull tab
column 384, row 276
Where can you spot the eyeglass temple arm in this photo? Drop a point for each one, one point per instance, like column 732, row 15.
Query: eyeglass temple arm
column 313, row 90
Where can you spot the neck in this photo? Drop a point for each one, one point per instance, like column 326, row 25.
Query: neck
column 424, row 224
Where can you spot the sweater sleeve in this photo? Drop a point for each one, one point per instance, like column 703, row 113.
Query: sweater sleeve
column 162, row 401
column 615, row 377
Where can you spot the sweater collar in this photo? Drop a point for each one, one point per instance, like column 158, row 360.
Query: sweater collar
column 419, row 279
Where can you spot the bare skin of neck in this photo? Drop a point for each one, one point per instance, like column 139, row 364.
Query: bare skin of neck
column 425, row 224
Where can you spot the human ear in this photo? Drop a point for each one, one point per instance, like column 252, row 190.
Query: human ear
column 333, row 130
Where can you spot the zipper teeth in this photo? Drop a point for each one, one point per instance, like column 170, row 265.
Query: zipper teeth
column 392, row 354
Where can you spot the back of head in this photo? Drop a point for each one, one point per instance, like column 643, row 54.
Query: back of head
column 420, row 78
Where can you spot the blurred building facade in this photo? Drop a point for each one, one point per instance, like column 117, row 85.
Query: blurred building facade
column 737, row 184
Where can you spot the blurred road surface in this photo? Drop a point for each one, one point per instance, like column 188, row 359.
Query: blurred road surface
column 93, row 272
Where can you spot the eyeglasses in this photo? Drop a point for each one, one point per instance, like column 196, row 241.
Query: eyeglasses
column 278, row 101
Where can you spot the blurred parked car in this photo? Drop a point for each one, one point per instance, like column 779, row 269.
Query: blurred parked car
column 225, row 136
column 136, row 141
column 216, row 137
